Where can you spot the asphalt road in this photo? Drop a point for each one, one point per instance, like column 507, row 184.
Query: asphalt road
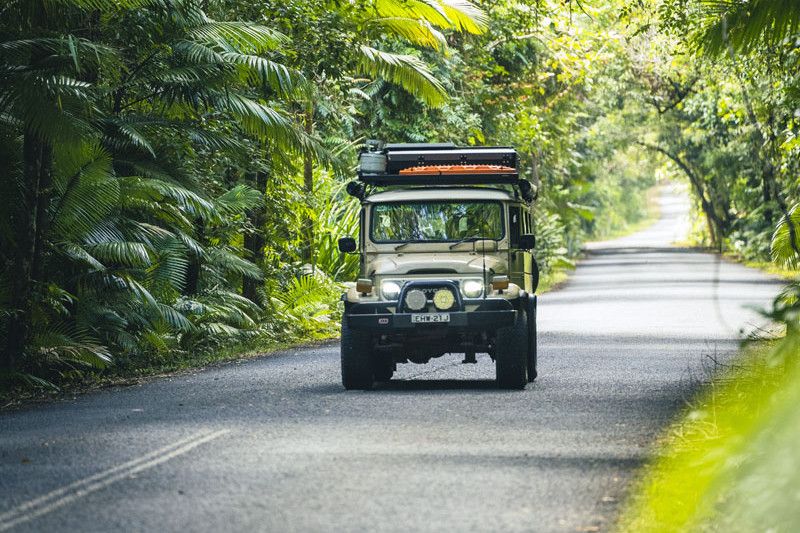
column 276, row 444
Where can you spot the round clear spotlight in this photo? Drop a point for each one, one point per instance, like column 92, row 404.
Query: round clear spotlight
column 472, row 288
column 390, row 290
column 416, row 300
column 443, row 299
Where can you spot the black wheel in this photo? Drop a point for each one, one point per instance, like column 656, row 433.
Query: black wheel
column 531, row 338
column 357, row 372
column 511, row 354
column 382, row 366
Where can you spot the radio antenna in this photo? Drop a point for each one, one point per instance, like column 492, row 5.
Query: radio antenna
column 483, row 253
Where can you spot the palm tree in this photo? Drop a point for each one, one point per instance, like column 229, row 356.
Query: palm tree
column 96, row 125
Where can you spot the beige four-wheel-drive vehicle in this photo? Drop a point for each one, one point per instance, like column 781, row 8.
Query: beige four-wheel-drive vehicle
column 445, row 263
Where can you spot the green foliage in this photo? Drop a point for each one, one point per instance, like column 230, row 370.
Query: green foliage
column 726, row 462
column 177, row 166
column 337, row 217
column 307, row 307
column 551, row 247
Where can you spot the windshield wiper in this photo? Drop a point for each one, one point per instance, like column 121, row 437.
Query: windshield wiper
column 402, row 244
column 467, row 239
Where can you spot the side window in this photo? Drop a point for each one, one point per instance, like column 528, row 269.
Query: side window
column 528, row 222
column 361, row 232
column 514, row 225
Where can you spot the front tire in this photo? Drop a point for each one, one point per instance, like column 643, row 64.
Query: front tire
column 511, row 354
column 357, row 372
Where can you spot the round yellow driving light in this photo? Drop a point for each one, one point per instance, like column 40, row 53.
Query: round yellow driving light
column 416, row 300
column 443, row 299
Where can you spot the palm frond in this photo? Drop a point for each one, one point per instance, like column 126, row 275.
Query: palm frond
column 189, row 202
column 239, row 200
column 104, row 5
column 238, row 36
column 175, row 318
column 78, row 254
column 171, row 266
column 187, row 75
column 211, row 139
column 459, row 15
column 121, row 253
column 125, row 134
column 283, row 80
column 465, row 16
column 746, row 24
column 785, row 247
column 417, row 31
column 52, row 107
column 219, row 257
column 405, row 70
column 429, row 10
column 67, row 343
column 86, row 191
column 124, row 281
column 82, row 53
column 304, row 290
column 260, row 120
column 196, row 53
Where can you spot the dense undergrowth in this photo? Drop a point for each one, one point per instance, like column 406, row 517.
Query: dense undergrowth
column 728, row 463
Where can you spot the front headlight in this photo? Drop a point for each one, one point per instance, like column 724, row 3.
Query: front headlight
column 472, row 288
column 390, row 290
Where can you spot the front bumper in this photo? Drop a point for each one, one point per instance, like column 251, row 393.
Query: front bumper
column 492, row 313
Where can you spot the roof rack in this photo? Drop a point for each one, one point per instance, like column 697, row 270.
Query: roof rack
column 436, row 164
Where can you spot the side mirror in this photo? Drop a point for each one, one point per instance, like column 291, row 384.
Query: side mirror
column 529, row 191
column 527, row 241
column 347, row 245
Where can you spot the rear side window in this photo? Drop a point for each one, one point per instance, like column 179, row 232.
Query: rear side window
column 514, row 225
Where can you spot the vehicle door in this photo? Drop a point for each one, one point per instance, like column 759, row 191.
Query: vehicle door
column 520, row 261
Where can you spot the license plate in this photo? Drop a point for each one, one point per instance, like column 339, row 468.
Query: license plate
column 425, row 318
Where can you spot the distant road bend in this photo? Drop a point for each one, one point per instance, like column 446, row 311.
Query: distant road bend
column 277, row 445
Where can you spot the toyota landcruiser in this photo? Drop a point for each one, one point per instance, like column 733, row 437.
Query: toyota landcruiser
column 445, row 262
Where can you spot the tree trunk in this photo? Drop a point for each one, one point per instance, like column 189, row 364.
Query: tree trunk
column 43, row 201
column 195, row 261
column 29, row 224
column 308, row 187
column 254, row 241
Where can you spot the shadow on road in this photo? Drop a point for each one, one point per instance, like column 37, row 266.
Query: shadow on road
column 438, row 384
column 611, row 249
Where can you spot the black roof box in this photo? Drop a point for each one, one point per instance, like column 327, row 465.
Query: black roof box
column 403, row 156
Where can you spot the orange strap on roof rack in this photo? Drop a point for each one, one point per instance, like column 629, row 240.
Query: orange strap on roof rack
column 457, row 169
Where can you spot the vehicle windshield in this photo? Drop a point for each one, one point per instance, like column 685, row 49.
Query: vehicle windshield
column 437, row 221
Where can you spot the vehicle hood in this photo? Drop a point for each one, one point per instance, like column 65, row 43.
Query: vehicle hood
column 434, row 263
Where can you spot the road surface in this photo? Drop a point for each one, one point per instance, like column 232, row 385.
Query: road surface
column 276, row 444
